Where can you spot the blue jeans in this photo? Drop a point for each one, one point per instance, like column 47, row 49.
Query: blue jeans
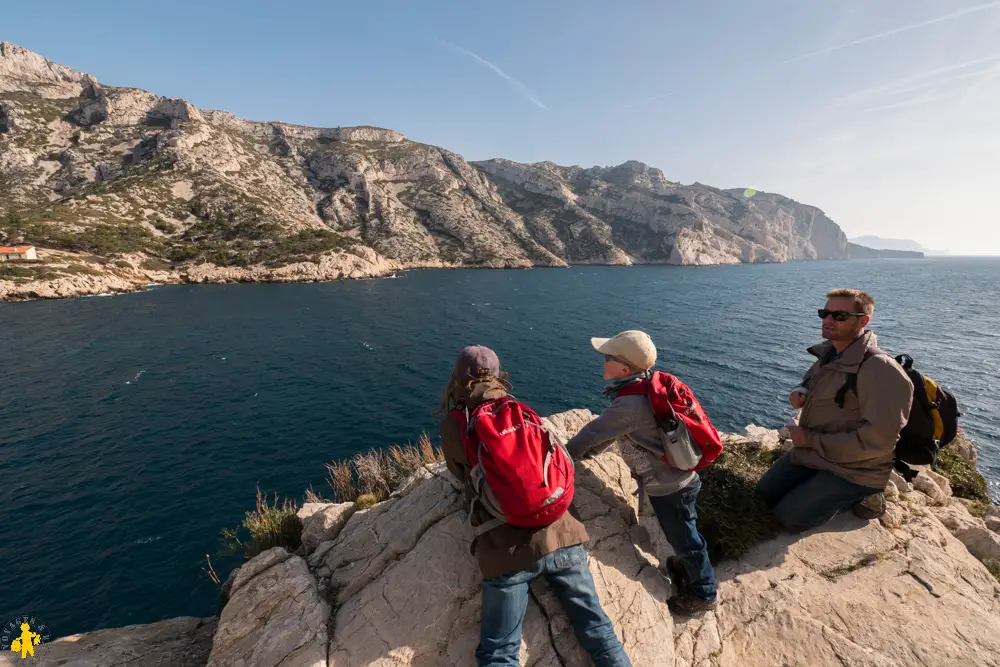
column 678, row 518
column 803, row 498
column 505, row 599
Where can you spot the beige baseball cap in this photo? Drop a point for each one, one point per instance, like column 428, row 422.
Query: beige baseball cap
column 635, row 347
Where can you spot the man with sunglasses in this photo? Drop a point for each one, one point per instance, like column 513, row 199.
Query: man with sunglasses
column 845, row 440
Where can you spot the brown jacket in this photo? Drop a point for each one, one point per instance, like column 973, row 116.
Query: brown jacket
column 856, row 442
column 504, row 549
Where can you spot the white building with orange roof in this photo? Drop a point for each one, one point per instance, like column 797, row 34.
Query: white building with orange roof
column 17, row 253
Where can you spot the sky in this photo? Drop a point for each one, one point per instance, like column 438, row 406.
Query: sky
column 883, row 113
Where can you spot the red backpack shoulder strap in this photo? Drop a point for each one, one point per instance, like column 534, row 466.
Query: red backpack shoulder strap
column 663, row 382
column 662, row 387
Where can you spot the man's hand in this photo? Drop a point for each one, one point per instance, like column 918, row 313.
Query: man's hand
column 797, row 399
column 800, row 436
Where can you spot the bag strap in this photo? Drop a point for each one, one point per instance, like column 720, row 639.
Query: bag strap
column 851, row 382
column 669, row 387
column 486, row 527
column 908, row 473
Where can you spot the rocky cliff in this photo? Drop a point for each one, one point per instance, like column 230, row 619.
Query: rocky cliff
column 394, row 585
column 103, row 171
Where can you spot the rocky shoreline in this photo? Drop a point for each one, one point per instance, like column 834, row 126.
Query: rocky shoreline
column 79, row 276
column 394, row 585
column 91, row 276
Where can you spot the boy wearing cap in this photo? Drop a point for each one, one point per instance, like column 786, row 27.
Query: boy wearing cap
column 510, row 557
column 629, row 357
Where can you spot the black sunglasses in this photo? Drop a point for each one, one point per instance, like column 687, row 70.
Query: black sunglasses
column 837, row 315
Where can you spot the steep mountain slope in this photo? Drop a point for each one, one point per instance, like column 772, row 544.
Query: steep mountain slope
column 141, row 187
column 632, row 214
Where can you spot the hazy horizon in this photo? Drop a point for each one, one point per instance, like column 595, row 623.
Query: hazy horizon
column 886, row 117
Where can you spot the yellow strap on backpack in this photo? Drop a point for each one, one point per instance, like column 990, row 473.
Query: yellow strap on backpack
column 930, row 386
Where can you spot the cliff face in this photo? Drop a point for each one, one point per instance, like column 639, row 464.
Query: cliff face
column 632, row 214
column 102, row 171
column 395, row 585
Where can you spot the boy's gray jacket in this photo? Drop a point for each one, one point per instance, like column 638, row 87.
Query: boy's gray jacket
column 630, row 419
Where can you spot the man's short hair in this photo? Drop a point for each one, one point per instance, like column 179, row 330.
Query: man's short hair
column 863, row 301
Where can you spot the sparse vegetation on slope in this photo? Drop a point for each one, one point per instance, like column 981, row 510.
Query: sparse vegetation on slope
column 966, row 480
column 270, row 524
column 730, row 515
column 377, row 473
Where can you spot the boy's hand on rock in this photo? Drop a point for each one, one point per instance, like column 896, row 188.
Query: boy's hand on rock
column 797, row 399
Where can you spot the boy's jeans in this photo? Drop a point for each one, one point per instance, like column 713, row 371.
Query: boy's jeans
column 505, row 599
column 678, row 518
column 803, row 498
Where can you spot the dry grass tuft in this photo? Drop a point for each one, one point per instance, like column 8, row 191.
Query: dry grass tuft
column 377, row 473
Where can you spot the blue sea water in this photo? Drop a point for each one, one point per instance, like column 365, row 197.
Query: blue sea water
column 133, row 428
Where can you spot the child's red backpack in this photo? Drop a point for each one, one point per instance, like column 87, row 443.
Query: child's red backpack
column 521, row 474
column 680, row 417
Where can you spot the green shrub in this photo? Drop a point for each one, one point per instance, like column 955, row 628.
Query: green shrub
column 102, row 239
column 14, row 228
column 977, row 509
column 367, row 500
column 163, row 225
column 81, row 269
column 730, row 515
column 154, row 264
column 966, row 481
column 270, row 524
column 12, row 271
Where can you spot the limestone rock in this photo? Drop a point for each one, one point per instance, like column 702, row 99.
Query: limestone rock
column 22, row 70
column 853, row 593
column 322, row 522
column 899, row 482
column 768, row 438
column 993, row 523
column 275, row 616
column 941, row 481
column 177, row 642
column 964, row 448
column 929, row 487
column 67, row 274
column 567, row 424
column 895, row 514
column 981, row 542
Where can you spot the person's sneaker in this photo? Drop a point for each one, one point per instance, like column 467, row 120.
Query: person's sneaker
column 676, row 572
column 689, row 604
column 871, row 507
